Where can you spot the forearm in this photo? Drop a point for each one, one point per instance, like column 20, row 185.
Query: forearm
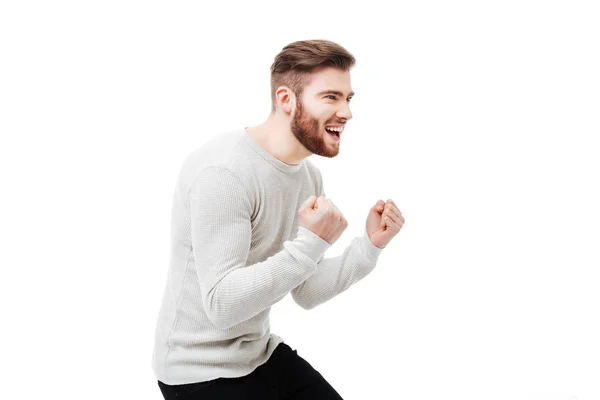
column 234, row 289
column 246, row 291
column 336, row 274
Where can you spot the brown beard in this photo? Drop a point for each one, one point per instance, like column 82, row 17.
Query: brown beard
column 309, row 133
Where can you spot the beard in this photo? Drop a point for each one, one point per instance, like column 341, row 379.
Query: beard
column 310, row 134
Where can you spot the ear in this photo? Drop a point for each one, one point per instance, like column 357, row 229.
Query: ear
column 285, row 99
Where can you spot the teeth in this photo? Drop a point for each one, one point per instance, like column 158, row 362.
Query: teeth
column 336, row 129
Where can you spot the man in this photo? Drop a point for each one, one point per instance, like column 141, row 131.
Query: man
column 250, row 224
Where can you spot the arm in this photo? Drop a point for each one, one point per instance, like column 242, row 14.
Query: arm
column 221, row 230
column 335, row 275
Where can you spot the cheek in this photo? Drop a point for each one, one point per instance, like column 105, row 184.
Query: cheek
column 324, row 116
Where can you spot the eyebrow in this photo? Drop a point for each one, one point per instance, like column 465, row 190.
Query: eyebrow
column 335, row 92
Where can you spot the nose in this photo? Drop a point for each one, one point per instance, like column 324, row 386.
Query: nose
column 344, row 111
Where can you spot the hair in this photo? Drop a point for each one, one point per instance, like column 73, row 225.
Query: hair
column 297, row 60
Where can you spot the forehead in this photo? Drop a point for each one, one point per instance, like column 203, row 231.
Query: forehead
column 328, row 78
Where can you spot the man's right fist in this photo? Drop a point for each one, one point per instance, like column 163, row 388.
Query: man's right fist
column 322, row 217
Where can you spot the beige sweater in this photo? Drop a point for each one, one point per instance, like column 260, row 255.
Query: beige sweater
column 237, row 249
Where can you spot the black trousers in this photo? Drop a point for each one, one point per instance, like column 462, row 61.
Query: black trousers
column 285, row 376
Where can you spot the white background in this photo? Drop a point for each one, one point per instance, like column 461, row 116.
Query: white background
column 478, row 118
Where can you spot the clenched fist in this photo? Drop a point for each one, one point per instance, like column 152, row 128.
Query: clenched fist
column 384, row 222
column 322, row 217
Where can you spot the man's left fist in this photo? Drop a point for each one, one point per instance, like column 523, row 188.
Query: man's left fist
column 384, row 222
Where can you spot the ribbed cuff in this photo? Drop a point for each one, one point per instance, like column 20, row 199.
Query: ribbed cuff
column 369, row 250
column 310, row 243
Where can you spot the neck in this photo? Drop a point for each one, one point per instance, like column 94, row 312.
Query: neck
column 276, row 137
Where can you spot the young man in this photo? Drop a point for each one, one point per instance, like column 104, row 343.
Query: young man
column 250, row 224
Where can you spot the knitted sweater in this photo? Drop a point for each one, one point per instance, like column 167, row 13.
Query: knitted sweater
column 237, row 249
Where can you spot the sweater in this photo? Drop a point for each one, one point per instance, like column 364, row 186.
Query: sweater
column 237, row 249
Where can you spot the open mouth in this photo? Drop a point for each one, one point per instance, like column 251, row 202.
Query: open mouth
column 334, row 131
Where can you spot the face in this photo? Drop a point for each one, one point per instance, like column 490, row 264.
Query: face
column 323, row 108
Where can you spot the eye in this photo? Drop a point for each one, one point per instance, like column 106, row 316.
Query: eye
column 331, row 96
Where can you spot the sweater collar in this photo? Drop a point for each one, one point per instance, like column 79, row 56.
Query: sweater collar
column 280, row 165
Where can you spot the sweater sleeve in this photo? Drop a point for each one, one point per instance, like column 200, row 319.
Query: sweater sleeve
column 336, row 274
column 221, row 230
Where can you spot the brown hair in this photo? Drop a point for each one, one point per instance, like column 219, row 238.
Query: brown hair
column 298, row 59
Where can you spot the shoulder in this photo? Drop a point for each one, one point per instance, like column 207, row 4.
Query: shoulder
column 216, row 159
column 220, row 149
column 315, row 176
column 312, row 168
column 219, row 187
column 215, row 178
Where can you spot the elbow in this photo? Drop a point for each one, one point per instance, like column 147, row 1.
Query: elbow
column 219, row 320
column 308, row 306
column 222, row 323
column 302, row 302
column 217, row 315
